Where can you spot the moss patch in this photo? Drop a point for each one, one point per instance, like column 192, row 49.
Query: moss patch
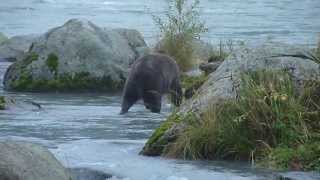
column 164, row 126
column 2, row 103
column 157, row 143
column 52, row 62
column 79, row 82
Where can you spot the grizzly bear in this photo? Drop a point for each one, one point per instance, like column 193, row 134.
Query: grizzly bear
column 150, row 77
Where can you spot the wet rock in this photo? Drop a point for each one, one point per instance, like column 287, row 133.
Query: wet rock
column 222, row 84
column 88, row 174
column 27, row 161
column 78, row 55
column 16, row 46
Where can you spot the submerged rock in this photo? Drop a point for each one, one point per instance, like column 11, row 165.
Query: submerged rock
column 76, row 56
column 16, row 46
column 223, row 84
column 88, row 174
column 27, row 161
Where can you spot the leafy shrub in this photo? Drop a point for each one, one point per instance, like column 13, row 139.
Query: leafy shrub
column 180, row 27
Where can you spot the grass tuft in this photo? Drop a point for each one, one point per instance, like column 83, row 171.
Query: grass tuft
column 268, row 120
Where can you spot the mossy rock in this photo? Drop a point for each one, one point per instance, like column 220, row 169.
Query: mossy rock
column 66, row 83
column 156, row 144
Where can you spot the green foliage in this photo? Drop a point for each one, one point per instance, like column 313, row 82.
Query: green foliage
column 2, row 103
column 79, row 82
column 303, row 157
column 180, row 27
column 30, row 58
column 192, row 83
column 267, row 114
column 52, row 62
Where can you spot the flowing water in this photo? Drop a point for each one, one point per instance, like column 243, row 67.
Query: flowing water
column 85, row 130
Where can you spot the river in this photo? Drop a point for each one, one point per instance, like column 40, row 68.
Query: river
column 253, row 21
column 85, row 130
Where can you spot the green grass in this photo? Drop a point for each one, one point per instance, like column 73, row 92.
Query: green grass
column 267, row 115
column 179, row 28
column 191, row 84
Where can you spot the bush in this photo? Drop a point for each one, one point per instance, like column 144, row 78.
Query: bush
column 267, row 115
column 179, row 29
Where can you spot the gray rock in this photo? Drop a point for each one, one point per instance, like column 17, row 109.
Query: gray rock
column 135, row 41
column 3, row 38
column 22, row 160
column 88, row 174
column 16, row 46
column 223, row 84
column 81, row 47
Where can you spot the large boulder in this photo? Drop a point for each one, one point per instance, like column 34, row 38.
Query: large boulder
column 13, row 48
column 76, row 56
column 22, row 160
column 223, row 84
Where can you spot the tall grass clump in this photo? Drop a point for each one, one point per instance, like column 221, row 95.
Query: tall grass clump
column 269, row 123
column 179, row 28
